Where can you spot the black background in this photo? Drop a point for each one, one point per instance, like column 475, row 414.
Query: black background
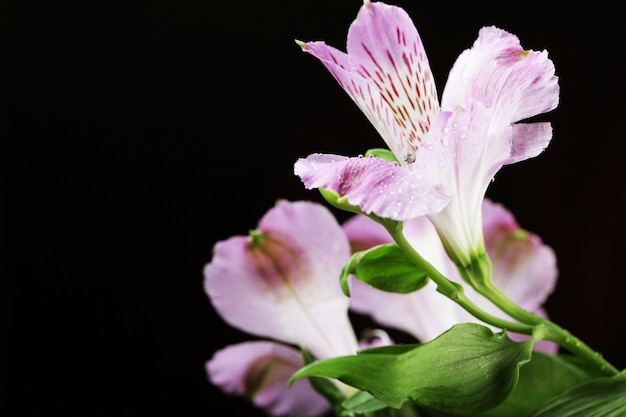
column 136, row 135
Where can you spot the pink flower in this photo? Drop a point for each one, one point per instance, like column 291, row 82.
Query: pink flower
column 523, row 268
column 448, row 153
column 281, row 282
column 261, row 370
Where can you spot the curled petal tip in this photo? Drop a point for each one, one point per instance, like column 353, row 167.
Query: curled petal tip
column 301, row 44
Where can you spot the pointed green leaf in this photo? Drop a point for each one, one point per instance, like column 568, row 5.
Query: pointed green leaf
column 466, row 370
column 544, row 377
column 601, row 397
column 346, row 271
column 323, row 386
column 387, row 268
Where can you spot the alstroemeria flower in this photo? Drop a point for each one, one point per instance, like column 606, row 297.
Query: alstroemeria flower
column 446, row 153
column 281, row 281
column 260, row 370
column 523, row 268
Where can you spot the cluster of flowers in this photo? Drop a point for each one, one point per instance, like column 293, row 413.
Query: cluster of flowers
column 281, row 283
column 293, row 280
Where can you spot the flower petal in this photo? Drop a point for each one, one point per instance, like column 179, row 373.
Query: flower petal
column 373, row 184
column 497, row 71
column 274, row 285
column 261, row 370
column 386, row 73
column 523, row 267
column 364, row 94
column 529, row 140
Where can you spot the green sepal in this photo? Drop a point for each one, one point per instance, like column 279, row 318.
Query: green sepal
column 387, row 268
column 382, row 153
column 466, row 370
column 334, row 199
column 478, row 272
column 599, row 397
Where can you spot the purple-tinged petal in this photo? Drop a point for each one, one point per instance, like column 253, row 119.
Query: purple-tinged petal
column 523, row 267
column 364, row 233
column 424, row 314
column 374, row 338
column 497, row 71
column 261, row 370
column 386, row 73
column 373, row 184
column 529, row 140
column 459, row 159
column 364, row 94
column 273, row 284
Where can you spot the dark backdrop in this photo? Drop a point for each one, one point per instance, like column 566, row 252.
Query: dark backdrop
column 136, row 135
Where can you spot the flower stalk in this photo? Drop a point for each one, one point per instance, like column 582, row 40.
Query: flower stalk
column 529, row 323
column 485, row 286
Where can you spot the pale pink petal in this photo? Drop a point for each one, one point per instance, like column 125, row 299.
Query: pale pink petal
column 261, row 370
column 365, row 95
column 524, row 268
column 386, row 72
column 497, row 71
column 424, row 314
column 384, row 42
column 374, row 338
column 373, row 184
column 529, row 140
column 276, row 286
column 364, row 233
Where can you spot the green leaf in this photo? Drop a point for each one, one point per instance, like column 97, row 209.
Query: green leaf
column 363, row 402
column 601, row 397
column 466, row 370
column 544, row 377
column 323, row 386
column 387, row 268
column 383, row 153
column 346, row 271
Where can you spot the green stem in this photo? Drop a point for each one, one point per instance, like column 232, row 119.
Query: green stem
column 551, row 331
column 449, row 289
column 529, row 323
